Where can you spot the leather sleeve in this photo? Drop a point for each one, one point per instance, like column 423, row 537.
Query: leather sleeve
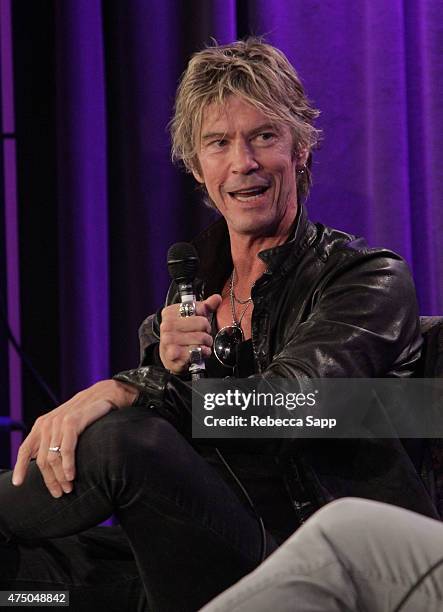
column 159, row 390
column 363, row 323
column 149, row 339
column 170, row 396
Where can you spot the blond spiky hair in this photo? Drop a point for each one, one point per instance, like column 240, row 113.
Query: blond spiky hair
column 261, row 75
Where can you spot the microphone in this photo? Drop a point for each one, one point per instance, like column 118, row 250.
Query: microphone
column 183, row 265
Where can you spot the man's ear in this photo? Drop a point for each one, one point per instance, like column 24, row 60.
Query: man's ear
column 198, row 176
column 197, row 173
column 301, row 157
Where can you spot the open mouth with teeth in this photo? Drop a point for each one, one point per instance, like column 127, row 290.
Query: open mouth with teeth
column 249, row 195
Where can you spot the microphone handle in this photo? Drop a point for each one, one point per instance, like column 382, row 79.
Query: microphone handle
column 197, row 369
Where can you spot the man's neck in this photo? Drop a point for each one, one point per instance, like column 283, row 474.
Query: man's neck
column 245, row 248
column 247, row 265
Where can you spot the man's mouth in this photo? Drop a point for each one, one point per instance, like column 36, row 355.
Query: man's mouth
column 249, row 195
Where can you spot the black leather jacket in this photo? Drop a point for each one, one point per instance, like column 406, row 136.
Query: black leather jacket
column 327, row 306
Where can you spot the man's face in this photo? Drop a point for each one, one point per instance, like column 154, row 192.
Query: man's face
column 248, row 167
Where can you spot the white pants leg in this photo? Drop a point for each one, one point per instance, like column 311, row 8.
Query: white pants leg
column 352, row 555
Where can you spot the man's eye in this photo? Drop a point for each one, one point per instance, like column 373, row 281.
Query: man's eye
column 218, row 144
column 265, row 136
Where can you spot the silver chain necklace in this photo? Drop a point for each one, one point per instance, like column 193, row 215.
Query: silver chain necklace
column 228, row 338
column 232, row 300
column 238, row 300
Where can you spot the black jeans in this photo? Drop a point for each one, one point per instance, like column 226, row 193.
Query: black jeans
column 186, row 534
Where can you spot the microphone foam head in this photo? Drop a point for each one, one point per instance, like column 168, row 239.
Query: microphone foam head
column 183, row 262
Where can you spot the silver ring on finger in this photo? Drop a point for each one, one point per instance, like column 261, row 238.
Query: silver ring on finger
column 195, row 354
column 187, row 309
column 54, row 449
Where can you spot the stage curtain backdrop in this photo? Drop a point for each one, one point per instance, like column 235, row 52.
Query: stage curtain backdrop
column 373, row 68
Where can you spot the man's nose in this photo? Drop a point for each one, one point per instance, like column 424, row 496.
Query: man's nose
column 243, row 158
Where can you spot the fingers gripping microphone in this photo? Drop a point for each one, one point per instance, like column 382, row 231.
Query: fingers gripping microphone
column 183, row 264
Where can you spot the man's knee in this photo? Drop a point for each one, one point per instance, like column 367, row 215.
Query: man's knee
column 345, row 513
column 353, row 522
column 127, row 436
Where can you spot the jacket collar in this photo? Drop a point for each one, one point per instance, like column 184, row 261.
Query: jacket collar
column 283, row 257
column 214, row 249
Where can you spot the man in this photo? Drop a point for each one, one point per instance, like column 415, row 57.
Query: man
column 299, row 300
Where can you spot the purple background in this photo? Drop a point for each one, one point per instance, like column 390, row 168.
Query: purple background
column 107, row 202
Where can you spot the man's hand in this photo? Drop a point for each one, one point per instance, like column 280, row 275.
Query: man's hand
column 178, row 334
column 61, row 428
